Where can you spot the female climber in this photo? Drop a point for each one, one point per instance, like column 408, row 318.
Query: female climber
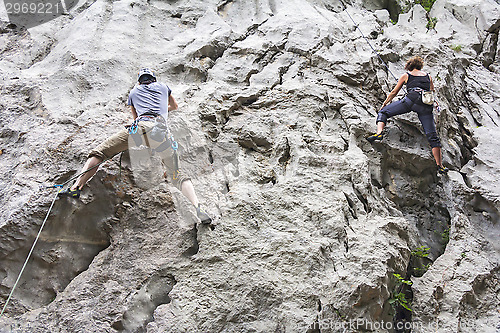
column 416, row 82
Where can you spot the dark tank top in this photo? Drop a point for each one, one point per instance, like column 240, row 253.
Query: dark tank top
column 422, row 82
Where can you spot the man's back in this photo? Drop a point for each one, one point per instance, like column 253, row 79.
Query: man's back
column 152, row 97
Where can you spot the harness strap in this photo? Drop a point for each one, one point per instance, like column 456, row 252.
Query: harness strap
column 175, row 175
column 417, row 89
column 163, row 146
column 175, row 146
column 147, row 116
column 169, row 142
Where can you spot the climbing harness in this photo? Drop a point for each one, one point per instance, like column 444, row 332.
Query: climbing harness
column 426, row 96
column 148, row 116
column 160, row 133
column 134, row 127
column 373, row 49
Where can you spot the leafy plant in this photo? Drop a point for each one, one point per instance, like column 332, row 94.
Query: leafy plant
column 445, row 236
column 421, row 252
column 399, row 297
column 427, row 4
column 419, row 271
column 431, row 23
column 456, row 48
column 401, row 280
column 406, row 6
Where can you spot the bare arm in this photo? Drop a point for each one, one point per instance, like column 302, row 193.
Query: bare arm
column 432, row 83
column 396, row 89
column 134, row 113
column 172, row 104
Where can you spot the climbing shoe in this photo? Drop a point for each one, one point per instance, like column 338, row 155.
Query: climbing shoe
column 375, row 137
column 70, row 193
column 443, row 170
column 203, row 216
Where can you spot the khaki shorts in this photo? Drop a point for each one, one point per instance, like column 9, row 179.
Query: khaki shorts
column 120, row 142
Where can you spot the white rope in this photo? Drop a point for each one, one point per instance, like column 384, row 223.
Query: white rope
column 29, row 255
column 373, row 49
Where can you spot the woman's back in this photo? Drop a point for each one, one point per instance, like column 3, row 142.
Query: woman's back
column 418, row 81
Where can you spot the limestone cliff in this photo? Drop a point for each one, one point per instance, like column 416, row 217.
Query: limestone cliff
column 312, row 225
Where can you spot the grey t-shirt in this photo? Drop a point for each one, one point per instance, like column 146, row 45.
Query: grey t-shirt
column 151, row 97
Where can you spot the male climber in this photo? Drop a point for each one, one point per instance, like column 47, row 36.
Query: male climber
column 148, row 100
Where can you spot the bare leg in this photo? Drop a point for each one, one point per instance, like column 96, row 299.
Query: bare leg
column 377, row 136
column 188, row 191
column 436, row 151
column 82, row 180
column 380, row 127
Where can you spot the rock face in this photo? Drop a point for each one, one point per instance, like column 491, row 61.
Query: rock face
column 275, row 97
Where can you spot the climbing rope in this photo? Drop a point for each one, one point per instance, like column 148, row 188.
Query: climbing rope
column 373, row 49
column 77, row 175
column 29, row 255
column 438, row 109
column 41, row 228
column 132, row 130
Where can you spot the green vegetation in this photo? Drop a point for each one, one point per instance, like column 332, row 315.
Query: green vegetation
column 445, row 236
column 421, row 252
column 427, row 4
column 401, row 280
column 431, row 23
column 419, row 268
column 402, row 287
column 401, row 300
column 456, row 48
column 399, row 297
column 341, row 316
column 419, row 271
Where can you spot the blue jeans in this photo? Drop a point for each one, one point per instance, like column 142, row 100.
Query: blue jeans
column 424, row 112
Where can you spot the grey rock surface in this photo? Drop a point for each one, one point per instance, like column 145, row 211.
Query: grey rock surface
column 275, row 101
